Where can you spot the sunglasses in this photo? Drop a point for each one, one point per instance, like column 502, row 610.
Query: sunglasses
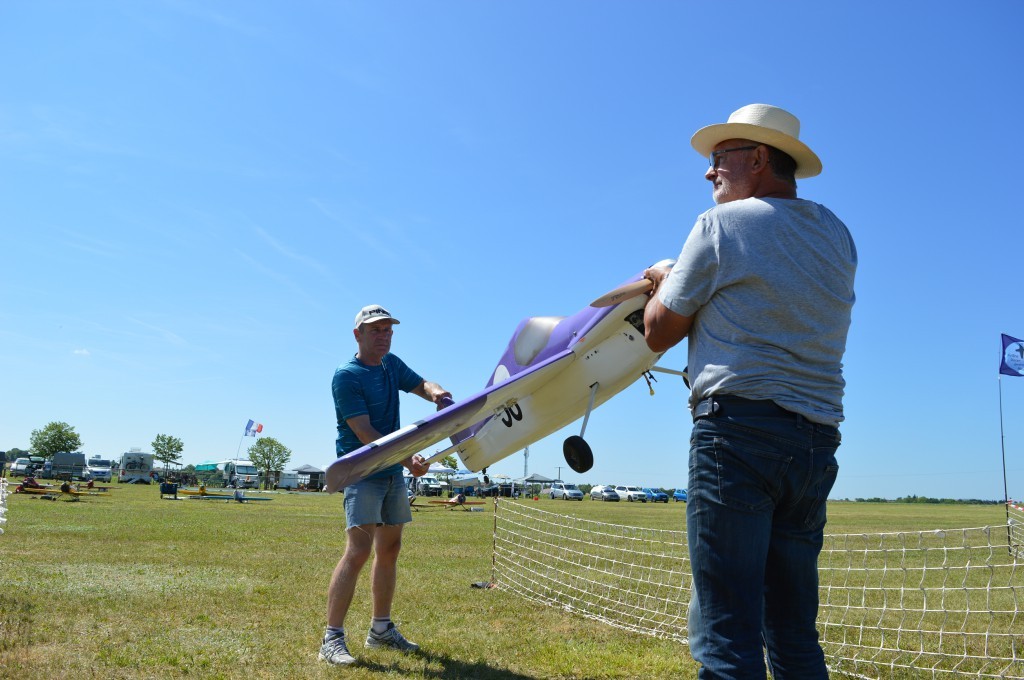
column 715, row 155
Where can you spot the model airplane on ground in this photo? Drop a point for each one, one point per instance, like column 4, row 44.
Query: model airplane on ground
column 53, row 491
column 457, row 502
column 203, row 494
column 554, row 370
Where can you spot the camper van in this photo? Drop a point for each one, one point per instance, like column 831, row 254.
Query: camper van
column 136, row 467
column 99, row 469
column 241, row 474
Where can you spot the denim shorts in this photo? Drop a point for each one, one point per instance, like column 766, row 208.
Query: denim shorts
column 377, row 501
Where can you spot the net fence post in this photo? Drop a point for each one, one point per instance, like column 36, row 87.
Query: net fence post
column 494, row 543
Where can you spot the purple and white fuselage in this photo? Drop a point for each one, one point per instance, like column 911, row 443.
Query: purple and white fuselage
column 553, row 371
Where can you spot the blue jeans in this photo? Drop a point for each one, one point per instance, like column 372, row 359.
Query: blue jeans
column 755, row 519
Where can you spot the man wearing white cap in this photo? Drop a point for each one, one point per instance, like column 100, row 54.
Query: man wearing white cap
column 366, row 403
column 763, row 289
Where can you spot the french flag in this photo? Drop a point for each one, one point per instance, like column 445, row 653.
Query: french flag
column 252, row 429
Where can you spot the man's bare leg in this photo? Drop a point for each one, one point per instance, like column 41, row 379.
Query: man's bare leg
column 346, row 574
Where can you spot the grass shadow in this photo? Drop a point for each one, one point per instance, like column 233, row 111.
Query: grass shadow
column 450, row 669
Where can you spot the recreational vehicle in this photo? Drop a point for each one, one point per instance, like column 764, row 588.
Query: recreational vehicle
column 241, row 474
column 136, row 467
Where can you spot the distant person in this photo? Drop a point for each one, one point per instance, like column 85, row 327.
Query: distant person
column 366, row 403
column 763, row 289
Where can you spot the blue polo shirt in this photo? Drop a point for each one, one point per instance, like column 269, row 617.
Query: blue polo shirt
column 360, row 389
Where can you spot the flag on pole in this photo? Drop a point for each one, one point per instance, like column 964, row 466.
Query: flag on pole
column 251, row 428
column 1012, row 362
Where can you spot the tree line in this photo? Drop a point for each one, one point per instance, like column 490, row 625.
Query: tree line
column 267, row 454
column 928, row 499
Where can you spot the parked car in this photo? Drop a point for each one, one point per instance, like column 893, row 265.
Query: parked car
column 565, row 491
column 631, row 493
column 20, row 467
column 30, row 466
column 679, row 495
column 655, row 496
column 604, row 493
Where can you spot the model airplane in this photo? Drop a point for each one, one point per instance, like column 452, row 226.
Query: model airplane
column 51, row 491
column 458, row 501
column 203, row 494
column 554, row 370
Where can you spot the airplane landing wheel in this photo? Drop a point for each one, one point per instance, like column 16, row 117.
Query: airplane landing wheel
column 578, row 454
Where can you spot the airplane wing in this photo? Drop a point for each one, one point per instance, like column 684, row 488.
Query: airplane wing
column 395, row 447
column 411, row 439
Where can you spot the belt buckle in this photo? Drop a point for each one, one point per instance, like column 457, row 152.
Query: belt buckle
column 707, row 407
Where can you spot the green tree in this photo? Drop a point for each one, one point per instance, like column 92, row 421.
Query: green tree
column 450, row 461
column 16, row 453
column 269, row 456
column 167, row 449
column 54, row 438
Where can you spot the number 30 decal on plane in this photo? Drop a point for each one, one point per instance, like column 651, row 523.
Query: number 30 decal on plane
column 512, row 414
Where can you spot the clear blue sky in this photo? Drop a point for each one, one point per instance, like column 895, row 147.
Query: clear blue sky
column 196, row 197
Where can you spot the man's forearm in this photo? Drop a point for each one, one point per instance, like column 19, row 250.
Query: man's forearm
column 431, row 391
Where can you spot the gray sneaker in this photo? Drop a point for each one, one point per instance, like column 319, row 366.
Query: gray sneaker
column 390, row 638
column 335, row 652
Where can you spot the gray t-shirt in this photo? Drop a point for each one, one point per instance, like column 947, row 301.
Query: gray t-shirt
column 770, row 284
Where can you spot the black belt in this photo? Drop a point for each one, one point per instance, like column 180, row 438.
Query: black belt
column 738, row 407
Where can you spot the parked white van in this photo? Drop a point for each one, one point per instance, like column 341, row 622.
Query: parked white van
column 99, row 469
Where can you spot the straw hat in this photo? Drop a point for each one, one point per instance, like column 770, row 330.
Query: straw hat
column 765, row 124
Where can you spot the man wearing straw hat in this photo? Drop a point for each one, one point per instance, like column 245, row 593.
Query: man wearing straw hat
column 763, row 290
column 366, row 403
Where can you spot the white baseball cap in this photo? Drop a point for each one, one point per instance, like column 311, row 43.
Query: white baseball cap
column 371, row 313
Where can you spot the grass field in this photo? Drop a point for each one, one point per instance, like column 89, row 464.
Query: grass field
column 132, row 586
